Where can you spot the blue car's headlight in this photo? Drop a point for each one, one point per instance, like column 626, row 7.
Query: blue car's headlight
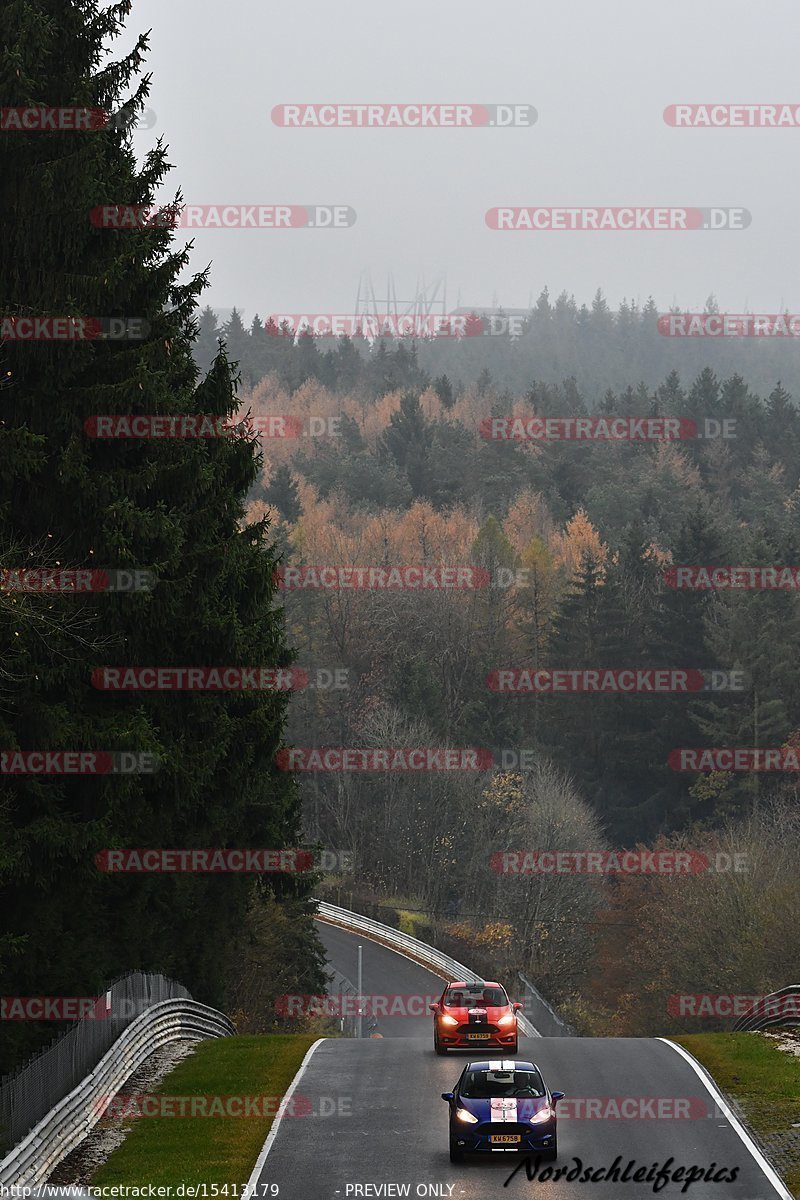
column 544, row 1114
column 464, row 1115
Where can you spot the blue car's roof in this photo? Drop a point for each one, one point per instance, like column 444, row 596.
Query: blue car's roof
column 504, row 1064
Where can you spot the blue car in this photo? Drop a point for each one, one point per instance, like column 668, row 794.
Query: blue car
column 502, row 1106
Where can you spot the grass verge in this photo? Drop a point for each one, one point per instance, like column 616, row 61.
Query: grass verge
column 224, row 1149
column 764, row 1082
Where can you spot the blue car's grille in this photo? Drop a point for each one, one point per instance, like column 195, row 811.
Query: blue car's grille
column 488, row 1128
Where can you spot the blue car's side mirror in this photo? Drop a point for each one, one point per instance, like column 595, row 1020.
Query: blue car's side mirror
column 557, row 1095
column 448, row 1095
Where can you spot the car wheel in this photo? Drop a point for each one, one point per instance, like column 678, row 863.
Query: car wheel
column 456, row 1155
column 515, row 1047
column 439, row 1049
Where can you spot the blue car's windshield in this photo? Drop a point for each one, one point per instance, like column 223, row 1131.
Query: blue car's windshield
column 487, row 1084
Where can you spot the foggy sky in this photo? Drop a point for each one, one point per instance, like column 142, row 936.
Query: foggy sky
column 599, row 75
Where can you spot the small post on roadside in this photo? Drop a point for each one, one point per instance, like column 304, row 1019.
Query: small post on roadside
column 359, row 1029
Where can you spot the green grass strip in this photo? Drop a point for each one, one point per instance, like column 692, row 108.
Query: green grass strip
column 208, row 1149
column 765, row 1083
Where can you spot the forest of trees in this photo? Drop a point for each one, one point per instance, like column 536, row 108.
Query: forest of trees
column 598, row 347
column 407, row 478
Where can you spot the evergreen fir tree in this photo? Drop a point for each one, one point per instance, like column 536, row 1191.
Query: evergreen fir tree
column 444, row 390
column 282, row 493
column 172, row 506
column 206, row 346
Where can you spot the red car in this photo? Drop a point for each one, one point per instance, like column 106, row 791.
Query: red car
column 474, row 1014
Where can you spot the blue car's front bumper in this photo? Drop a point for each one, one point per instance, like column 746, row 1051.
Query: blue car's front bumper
column 477, row 1140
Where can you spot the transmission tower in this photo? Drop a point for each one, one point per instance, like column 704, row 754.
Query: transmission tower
column 429, row 300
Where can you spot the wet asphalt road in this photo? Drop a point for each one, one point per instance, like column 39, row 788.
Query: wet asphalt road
column 378, row 1126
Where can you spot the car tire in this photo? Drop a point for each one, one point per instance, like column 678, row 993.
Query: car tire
column 456, row 1155
column 439, row 1049
column 515, row 1048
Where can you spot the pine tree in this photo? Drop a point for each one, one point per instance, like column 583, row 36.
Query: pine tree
column 782, row 433
column 745, row 630
column 237, row 343
column 173, row 506
column 282, row 493
column 348, row 366
column 407, row 441
column 444, row 390
column 493, row 606
column 258, row 351
column 484, row 382
column 206, row 346
column 632, row 635
column 570, row 722
column 304, row 363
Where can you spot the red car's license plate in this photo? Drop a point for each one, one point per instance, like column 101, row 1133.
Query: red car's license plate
column 479, row 1037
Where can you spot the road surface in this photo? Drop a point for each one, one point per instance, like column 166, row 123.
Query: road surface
column 386, row 1131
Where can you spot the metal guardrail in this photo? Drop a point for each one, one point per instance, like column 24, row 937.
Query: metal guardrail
column 777, row 1008
column 547, row 1020
column 427, row 956
column 31, row 1162
column 28, row 1093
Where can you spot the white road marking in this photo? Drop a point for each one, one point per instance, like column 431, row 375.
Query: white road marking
column 251, row 1189
column 735, row 1124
